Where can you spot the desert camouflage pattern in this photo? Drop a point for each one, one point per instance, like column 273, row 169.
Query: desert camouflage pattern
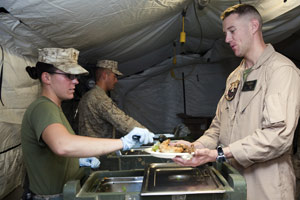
column 98, row 114
column 63, row 59
column 109, row 64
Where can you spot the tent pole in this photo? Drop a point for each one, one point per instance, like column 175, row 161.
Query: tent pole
column 183, row 87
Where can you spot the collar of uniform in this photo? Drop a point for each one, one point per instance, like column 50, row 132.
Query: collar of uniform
column 269, row 50
column 99, row 88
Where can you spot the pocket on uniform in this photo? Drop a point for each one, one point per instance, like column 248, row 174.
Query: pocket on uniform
column 275, row 112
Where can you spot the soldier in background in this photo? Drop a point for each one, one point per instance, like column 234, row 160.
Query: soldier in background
column 98, row 114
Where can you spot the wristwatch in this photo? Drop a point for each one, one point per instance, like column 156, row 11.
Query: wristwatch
column 221, row 157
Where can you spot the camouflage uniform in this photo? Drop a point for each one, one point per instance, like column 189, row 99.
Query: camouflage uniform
column 98, row 114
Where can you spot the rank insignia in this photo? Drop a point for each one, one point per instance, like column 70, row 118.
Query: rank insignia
column 232, row 90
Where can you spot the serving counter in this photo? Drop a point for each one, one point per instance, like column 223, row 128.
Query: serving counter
column 131, row 159
column 161, row 181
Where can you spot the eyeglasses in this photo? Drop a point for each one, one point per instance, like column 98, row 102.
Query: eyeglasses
column 69, row 76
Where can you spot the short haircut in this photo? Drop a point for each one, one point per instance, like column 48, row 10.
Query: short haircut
column 99, row 71
column 242, row 10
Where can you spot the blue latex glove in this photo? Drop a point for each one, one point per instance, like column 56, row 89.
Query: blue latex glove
column 92, row 162
column 145, row 138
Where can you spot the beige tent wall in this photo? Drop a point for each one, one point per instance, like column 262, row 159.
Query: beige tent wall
column 18, row 91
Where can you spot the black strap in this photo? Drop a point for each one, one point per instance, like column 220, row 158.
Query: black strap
column 1, row 75
column 6, row 150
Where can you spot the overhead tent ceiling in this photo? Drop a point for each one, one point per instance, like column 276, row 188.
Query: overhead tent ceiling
column 137, row 33
column 143, row 36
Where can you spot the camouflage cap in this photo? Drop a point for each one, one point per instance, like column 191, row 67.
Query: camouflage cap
column 109, row 64
column 63, row 59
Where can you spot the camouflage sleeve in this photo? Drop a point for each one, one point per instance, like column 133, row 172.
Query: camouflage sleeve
column 109, row 111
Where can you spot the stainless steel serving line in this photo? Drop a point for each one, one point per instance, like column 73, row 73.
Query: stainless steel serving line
column 132, row 159
column 171, row 179
column 161, row 181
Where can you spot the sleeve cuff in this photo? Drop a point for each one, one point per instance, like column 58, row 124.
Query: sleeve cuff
column 239, row 154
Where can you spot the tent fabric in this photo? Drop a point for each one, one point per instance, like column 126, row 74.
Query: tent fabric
column 12, row 171
column 155, row 97
column 18, row 89
column 94, row 23
column 128, row 30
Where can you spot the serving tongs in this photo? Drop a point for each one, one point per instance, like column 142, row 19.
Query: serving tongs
column 161, row 138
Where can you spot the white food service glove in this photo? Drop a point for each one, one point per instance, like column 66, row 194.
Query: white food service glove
column 136, row 137
column 92, row 162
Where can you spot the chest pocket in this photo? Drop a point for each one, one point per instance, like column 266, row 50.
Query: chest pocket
column 274, row 112
column 248, row 97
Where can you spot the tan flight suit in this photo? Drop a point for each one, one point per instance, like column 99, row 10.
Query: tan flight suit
column 98, row 114
column 258, row 124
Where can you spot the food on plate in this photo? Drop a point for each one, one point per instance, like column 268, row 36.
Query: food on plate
column 165, row 147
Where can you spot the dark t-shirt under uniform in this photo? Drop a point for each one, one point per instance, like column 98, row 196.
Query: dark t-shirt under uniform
column 47, row 171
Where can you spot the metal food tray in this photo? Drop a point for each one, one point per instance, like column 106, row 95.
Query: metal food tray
column 118, row 184
column 126, row 184
column 134, row 152
column 172, row 179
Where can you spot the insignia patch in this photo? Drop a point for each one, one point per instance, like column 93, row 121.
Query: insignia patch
column 232, row 90
column 249, row 85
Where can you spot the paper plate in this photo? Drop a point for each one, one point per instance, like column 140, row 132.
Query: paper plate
column 185, row 156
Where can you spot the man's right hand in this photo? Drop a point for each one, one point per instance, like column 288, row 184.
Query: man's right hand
column 136, row 137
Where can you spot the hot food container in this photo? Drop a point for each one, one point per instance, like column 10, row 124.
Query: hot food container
column 171, row 179
column 161, row 181
column 135, row 158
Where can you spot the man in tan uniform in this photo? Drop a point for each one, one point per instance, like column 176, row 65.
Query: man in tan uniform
column 98, row 114
column 257, row 116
